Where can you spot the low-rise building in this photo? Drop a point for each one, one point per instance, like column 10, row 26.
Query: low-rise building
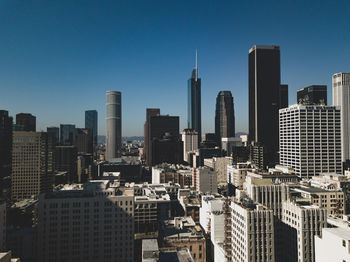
column 165, row 173
column 237, row 173
column 204, row 180
column 300, row 225
column 190, row 202
column 7, row 257
column 219, row 165
column 183, row 232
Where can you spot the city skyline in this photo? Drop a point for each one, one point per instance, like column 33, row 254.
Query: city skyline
column 58, row 60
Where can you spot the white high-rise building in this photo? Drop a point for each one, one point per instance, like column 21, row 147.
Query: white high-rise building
column 341, row 97
column 113, row 124
column 310, row 139
column 90, row 222
column 190, row 142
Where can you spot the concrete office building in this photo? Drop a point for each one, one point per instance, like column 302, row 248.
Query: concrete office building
column 27, row 121
column 312, row 95
column 183, row 232
column 190, row 202
column 264, row 98
column 5, row 152
column 194, row 106
column 237, row 173
column 252, row 240
column 204, row 180
column 219, row 165
column 165, row 173
column 92, row 222
column 190, row 142
column 332, row 245
column 341, row 97
column 334, row 242
column 2, row 225
column 32, row 164
column 224, row 116
column 113, row 124
column 332, row 200
column 91, row 124
column 264, row 191
column 301, row 223
column 310, row 139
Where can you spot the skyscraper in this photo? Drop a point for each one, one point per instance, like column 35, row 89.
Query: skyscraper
column 28, row 121
column 158, row 127
column 224, row 116
column 68, row 134
column 190, row 142
column 264, row 97
column 32, row 164
column 113, row 124
column 194, row 102
column 56, row 131
column 149, row 112
column 5, row 148
column 91, row 123
column 283, row 96
column 312, row 95
column 341, row 97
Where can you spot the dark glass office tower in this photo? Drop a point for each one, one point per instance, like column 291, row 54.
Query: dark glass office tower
column 91, row 123
column 158, row 127
column 149, row 112
column 284, row 96
column 312, row 95
column 224, row 116
column 56, row 133
column 28, row 121
column 67, row 135
column 194, row 102
column 264, row 98
column 5, row 150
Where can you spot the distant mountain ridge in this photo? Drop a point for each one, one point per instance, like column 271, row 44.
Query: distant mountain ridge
column 102, row 139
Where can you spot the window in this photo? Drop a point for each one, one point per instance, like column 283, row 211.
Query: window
column 344, row 243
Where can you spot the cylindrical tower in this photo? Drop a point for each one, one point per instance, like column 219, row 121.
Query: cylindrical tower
column 113, row 124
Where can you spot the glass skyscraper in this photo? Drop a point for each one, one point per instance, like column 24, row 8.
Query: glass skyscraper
column 194, row 103
column 224, row 116
column 91, row 124
column 264, row 98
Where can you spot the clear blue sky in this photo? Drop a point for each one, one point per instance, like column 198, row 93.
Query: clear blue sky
column 58, row 58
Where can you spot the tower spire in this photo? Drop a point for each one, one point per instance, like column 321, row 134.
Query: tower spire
column 196, row 68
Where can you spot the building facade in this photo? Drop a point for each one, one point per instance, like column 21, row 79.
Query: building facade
column 224, row 116
column 264, row 98
column 91, row 123
column 92, row 223
column 5, row 151
column 310, row 139
column 113, row 124
column 194, row 106
column 27, row 121
column 312, row 95
column 190, row 142
column 284, row 96
column 341, row 97
column 68, row 134
column 32, row 164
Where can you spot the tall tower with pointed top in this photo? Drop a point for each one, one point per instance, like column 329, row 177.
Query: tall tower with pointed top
column 194, row 119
